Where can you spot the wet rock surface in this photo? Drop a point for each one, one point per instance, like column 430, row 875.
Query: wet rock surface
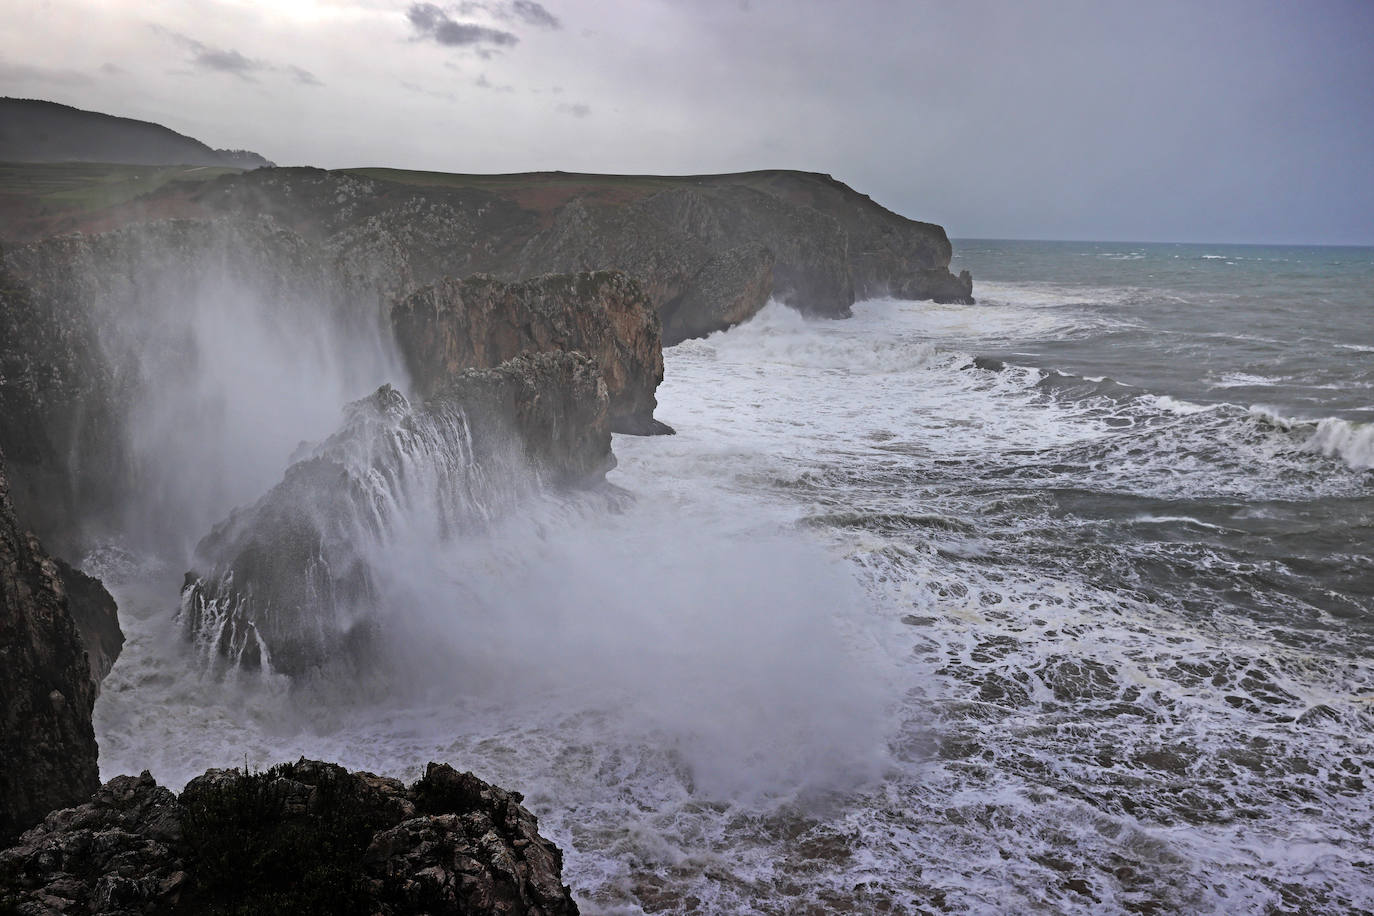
column 306, row 838
column 481, row 322
column 47, row 692
column 293, row 581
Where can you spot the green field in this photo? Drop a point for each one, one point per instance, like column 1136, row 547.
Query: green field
column 516, row 181
column 94, row 185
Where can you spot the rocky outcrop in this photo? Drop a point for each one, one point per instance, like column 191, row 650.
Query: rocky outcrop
column 293, row 582
column 96, row 616
column 480, row 322
column 304, row 838
column 47, row 692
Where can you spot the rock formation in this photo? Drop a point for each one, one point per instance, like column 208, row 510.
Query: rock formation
column 304, row 838
column 290, row 581
column 480, row 322
column 47, row 691
column 700, row 246
column 96, row 617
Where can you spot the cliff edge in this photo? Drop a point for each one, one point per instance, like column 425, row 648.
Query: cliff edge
column 47, row 684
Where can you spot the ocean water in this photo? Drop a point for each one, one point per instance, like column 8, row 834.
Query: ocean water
column 1062, row 602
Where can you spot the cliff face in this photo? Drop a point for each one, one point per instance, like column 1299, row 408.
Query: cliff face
column 47, row 692
column 114, row 343
column 58, row 408
column 296, row 581
column 305, row 838
column 481, row 322
column 107, row 330
column 702, row 247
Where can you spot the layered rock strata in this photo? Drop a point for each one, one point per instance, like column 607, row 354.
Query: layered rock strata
column 304, row 838
column 480, row 322
column 292, row 582
column 47, row 687
column 702, row 247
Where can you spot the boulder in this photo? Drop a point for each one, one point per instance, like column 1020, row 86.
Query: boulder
column 303, row 838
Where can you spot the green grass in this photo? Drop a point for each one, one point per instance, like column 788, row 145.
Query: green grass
column 514, row 181
column 94, row 185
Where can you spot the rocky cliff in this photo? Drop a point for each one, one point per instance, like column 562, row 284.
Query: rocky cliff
column 103, row 331
column 47, row 687
column 702, row 247
column 114, row 343
column 480, row 322
column 294, row 582
column 305, row 838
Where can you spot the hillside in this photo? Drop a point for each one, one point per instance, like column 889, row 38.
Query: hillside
column 37, row 131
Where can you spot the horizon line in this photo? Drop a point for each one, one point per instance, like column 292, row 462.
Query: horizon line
column 1082, row 241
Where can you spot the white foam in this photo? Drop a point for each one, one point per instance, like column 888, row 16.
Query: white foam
column 717, row 782
column 1353, row 443
column 1243, row 380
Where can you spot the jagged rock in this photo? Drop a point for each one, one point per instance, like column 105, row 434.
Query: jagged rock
column 289, row 581
column 96, row 616
column 480, row 322
column 304, row 838
column 47, row 692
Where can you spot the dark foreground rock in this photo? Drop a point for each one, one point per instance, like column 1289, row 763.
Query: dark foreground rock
column 294, row 581
column 480, row 322
column 302, row 838
column 47, row 687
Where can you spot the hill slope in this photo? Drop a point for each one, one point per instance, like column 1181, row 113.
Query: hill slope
column 36, row 131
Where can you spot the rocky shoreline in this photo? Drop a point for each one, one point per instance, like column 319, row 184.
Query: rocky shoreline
column 305, row 837
column 525, row 319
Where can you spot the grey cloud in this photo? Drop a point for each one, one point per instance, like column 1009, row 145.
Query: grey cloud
column 231, row 61
column 535, row 14
column 25, row 73
column 303, row 76
column 110, row 69
column 433, row 22
column 425, row 16
column 432, row 93
column 465, row 33
column 225, row 61
column 577, row 109
column 526, row 11
column 483, row 83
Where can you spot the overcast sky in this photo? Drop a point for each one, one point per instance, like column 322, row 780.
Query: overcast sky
column 1189, row 121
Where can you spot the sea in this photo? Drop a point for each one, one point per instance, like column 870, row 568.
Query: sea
column 1062, row 602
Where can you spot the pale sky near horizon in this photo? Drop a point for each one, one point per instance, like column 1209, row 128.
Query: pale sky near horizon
column 1213, row 120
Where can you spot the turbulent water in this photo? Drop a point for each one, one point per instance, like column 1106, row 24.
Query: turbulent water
column 1063, row 602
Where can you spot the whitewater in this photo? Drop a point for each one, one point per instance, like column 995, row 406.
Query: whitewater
column 1061, row 602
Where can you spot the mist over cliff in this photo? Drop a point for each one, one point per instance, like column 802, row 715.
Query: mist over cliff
column 339, row 445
